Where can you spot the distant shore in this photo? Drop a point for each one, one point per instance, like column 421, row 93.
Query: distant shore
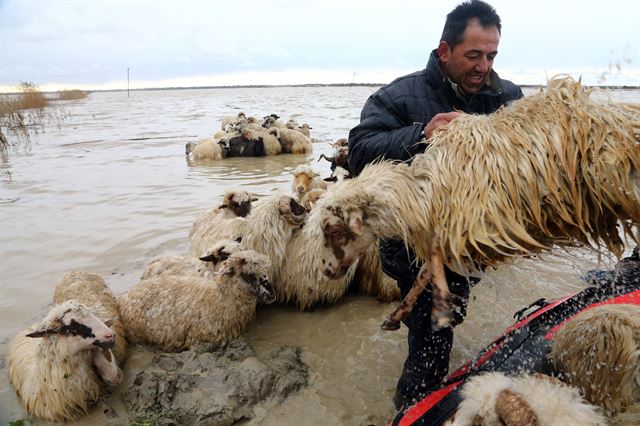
column 261, row 86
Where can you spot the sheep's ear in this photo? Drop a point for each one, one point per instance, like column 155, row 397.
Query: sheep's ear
column 223, row 206
column 216, row 257
column 42, row 332
column 109, row 322
column 356, row 223
column 253, row 200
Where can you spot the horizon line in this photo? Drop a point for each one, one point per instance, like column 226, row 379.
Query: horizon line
column 258, row 86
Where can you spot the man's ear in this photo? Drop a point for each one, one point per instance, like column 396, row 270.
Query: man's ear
column 356, row 222
column 444, row 52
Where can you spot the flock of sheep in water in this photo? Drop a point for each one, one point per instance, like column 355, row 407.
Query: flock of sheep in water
column 245, row 252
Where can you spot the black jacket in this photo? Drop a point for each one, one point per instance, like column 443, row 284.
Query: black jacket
column 392, row 122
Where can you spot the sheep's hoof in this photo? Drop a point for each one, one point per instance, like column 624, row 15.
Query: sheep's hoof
column 390, row 324
column 440, row 320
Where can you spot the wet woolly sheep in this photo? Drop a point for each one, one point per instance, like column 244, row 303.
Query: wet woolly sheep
column 58, row 366
column 178, row 311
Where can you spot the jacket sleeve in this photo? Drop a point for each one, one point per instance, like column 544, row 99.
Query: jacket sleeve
column 382, row 133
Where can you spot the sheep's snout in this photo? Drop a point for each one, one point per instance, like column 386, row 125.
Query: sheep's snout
column 266, row 293
column 334, row 270
column 107, row 341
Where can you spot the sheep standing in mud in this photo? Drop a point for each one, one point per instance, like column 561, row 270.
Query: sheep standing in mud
column 177, row 311
column 56, row 365
column 487, row 190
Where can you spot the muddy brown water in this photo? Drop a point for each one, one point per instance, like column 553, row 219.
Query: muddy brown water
column 109, row 188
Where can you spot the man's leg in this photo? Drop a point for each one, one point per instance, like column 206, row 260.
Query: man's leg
column 427, row 361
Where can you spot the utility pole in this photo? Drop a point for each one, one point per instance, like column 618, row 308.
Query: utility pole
column 127, row 82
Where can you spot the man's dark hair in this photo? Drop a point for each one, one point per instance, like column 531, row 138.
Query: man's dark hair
column 459, row 17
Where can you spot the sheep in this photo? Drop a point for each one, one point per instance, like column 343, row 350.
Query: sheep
column 270, row 138
column 266, row 230
column 294, row 142
column 552, row 168
column 91, row 290
column 371, row 280
column 598, row 351
column 310, row 199
column 206, row 149
column 273, row 121
column 183, row 265
column 493, row 399
column 305, row 179
column 340, row 157
column 304, row 128
column 300, row 279
column 178, row 311
column 56, row 365
column 226, row 121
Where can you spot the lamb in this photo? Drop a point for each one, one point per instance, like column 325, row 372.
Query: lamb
column 179, row 311
column 556, row 168
column 305, row 179
column 206, row 149
column 266, row 230
column 496, row 399
column 56, row 365
column 598, row 351
column 91, row 290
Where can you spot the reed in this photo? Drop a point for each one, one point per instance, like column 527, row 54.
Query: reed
column 71, row 95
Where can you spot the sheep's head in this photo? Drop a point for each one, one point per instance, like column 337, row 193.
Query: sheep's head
column 238, row 202
column 292, row 211
column 251, row 269
column 302, row 179
column 75, row 323
column 221, row 251
column 189, row 147
column 345, row 239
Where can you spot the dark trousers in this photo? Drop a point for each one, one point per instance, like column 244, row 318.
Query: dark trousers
column 427, row 362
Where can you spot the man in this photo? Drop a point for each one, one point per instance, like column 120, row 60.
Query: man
column 458, row 79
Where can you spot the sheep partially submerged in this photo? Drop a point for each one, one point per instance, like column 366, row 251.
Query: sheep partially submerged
column 598, row 351
column 56, row 365
column 206, row 149
column 556, row 168
column 178, row 311
column 494, row 399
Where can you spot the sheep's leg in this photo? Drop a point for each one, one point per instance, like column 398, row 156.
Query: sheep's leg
column 441, row 315
column 392, row 322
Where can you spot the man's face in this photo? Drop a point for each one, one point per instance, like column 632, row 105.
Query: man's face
column 468, row 64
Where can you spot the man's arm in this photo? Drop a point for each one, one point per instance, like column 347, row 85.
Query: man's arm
column 382, row 133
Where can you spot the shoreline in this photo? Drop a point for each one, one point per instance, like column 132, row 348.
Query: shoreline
column 266, row 86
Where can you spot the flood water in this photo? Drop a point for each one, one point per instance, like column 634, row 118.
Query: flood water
column 108, row 188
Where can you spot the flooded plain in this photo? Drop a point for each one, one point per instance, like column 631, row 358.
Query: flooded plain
column 109, row 187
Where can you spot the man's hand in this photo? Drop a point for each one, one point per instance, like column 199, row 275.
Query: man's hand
column 437, row 121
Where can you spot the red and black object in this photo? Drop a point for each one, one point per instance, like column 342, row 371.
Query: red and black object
column 524, row 346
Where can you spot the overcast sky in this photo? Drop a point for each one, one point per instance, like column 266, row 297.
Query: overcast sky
column 90, row 44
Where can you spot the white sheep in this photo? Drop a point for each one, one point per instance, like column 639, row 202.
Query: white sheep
column 304, row 128
column 205, row 149
column 598, row 351
column 56, row 365
column 294, row 142
column 91, row 290
column 183, row 265
column 305, row 179
column 266, row 230
column 493, row 399
column 273, row 121
column 178, row 311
